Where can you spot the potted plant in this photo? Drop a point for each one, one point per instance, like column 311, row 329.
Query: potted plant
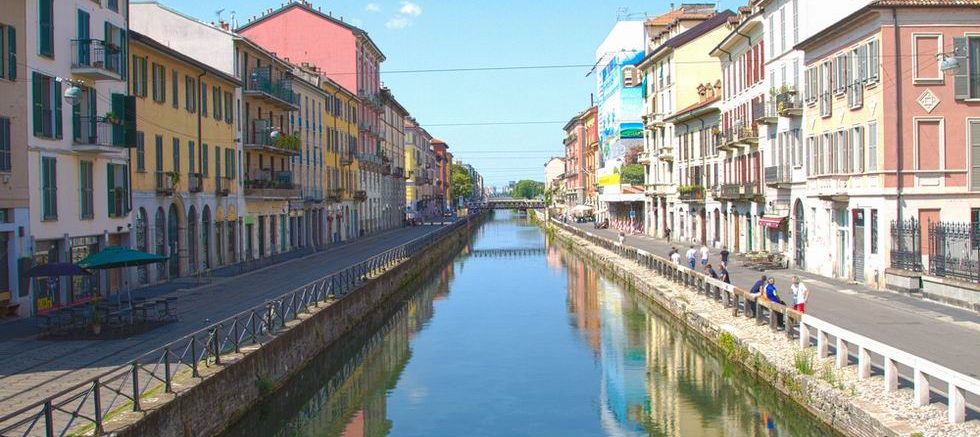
column 112, row 117
column 174, row 178
column 96, row 324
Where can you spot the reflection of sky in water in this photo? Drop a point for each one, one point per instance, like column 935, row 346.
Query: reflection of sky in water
column 536, row 345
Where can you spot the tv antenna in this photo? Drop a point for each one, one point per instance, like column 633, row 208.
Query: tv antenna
column 218, row 14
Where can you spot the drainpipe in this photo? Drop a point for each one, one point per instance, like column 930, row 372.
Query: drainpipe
column 898, row 123
column 200, row 145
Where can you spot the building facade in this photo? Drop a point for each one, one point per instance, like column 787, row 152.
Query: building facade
column 443, row 176
column 592, row 157
column 185, row 165
column 575, row 142
column 310, row 167
column 418, row 171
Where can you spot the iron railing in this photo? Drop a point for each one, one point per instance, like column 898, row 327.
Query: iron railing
column 906, row 247
column 94, row 53
column 84, row 408
column 260, row 80
column 953, row 250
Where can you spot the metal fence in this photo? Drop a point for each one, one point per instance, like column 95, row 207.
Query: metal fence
column 84, row 408
column 906, row 246
column 954, row 251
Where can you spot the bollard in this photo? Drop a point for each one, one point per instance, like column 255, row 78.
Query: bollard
column 891, row 375
column 136, row 387
column 821, row 344
column 804, row 335
column 957, row 404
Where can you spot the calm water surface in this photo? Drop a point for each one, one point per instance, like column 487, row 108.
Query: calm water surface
column 518, row 337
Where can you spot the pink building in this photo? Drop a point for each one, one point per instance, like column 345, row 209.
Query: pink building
column 576, row 140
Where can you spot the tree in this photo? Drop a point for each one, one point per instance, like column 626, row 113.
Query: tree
column 632, row 174
column 527, row 189
column 462, row 182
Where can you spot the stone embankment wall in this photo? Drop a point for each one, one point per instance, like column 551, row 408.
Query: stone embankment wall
column 225, row 393
column 846, row 404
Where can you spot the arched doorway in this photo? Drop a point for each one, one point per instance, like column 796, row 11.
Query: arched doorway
column 717, row 215
column 800, row 234
column 192, row 237
column 703, row 218
column 141, row 243
column 736, row 233
column 173, row 240
column 206, row 236
column 160, row 240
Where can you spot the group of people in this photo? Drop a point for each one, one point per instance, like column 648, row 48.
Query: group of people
column 765, row 287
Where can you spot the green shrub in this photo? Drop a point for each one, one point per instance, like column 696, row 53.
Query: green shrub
column 803, row 361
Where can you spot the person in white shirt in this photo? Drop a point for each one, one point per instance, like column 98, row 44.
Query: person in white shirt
column 692, row 253
column 704, row 255
column 675, row 256
column 800, row 294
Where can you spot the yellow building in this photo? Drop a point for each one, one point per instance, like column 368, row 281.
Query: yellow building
column 340, row 124
column 185, row 176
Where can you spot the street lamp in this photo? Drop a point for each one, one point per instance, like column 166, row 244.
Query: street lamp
column 948, row 61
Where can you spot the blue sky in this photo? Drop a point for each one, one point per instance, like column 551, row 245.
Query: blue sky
column 441, row 34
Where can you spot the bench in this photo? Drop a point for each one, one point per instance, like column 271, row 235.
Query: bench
column 7, row 309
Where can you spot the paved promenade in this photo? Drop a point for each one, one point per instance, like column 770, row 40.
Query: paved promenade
column 945, row 335
column 32, row 369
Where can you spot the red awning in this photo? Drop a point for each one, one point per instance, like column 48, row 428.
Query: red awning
column 772, row 222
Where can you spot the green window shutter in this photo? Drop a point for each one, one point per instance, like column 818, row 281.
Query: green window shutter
column 163, row 84
column 45, row 28
column 76, row 121
column 156, row 91
column 125, row 186
column 56, row 97
column 11, row 53
column 110, row 189
column 124, row 49
column 118, row 109
column 961, row 80
column 143, row 77
column 136, row 84
column 38, row 104
column 217, row 162
column 173, row 83
column 204, row 159
column 129, row 121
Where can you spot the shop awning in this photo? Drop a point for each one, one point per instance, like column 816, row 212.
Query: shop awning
column 772, row 222
column 116, row 256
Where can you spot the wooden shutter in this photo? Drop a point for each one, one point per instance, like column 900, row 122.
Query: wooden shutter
column 57, row 103
column 11, row 53
column 154, row 80
column 118, row 109
column 46, row 28
column 38, row 95
column 110, row 189
column 129, row 120
column 961, row 79
column 873, row 60
column 975, row 155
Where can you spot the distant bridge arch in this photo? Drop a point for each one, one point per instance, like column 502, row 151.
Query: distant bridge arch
column 511, row 203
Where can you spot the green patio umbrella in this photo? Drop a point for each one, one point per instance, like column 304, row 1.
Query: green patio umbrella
column 118, row 256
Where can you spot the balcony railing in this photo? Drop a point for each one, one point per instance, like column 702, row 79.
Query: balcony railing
column 313, row 195
column 778, row 175
column 279, row 92
column 398, row 172
column 222, row 186
column 258, row 136
column 94, row 131
column 164, row 183
column 665, row 152
column 691, row 193
column 269, row 184
column 371, row 99
column 95, row 59
column 655, row 119
column 788, row 104
column 335, row 194
column 741, row 135
column 360, row 195
column 743, row 191
column 195, row 182
column 764, row 111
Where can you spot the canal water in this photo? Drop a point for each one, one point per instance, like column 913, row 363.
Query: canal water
column 517, row 336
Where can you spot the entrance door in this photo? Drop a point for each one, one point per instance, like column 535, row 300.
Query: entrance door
column 926, row 216
column 737, row 238
column 800, row 236
column 704, row 227
column 857, row 261
column 173, row 234
column 261, row 237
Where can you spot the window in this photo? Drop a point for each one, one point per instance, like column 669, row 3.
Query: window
column 840, row 74
column 811, row 154
column 190, row 158
column 4, row 144
column 230, row 163
column 926, row 48
column 176, row 153
column 857, row 143
column 173, row 88
column 45, row 22
column 117, row 189
column 139, row 76
column 216, row 96
column 228, row 110
column 782, row 29
column 85, row 189
column 872, row 146
column 47, row 106
column 140, row 152
column 873, row 61
column 826, row 105
column 8, row 52
column 796, row 21
column 158, row 153
column 204, row 159
column 113, row 5
column 49, row 188
column 159, row 73
column 859, row 67
column 204, row 99
column 190, row 94
column 843, row 153
column 217, row 162
column 929, row 143
column 966, row 80
column 874, row 231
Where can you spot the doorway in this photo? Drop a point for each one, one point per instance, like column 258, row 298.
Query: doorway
column 800, row 234
column 857, row 262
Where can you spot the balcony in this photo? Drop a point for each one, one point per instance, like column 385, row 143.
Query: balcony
column 653, row 120
column 265, row 184
column 346, row 159
column 665, row 152
column 95, row 59
column 96, row 134
column 764, row 111
column 262, row 86
column 313, row 195
column 165, row 183
column 335, row 194
column 739, row 136
column 258, row 137
column 222, row 186
column 691, row 193
column 643, row 158
column 360, row 195
column 778, row 176
column 834, row 188
column 371, row 99
column 195, row 183
column 745, row 191
column 788, row 104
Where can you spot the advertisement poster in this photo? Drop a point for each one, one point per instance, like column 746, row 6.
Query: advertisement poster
column 620, row 105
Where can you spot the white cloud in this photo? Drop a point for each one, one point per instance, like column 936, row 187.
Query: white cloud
column 373, row 7
column 398, row 22
column 410, row 9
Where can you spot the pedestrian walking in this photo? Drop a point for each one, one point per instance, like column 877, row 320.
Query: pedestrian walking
column 667, row 233
column 800, row 294
column 692, row 254
column 723, row 274
column 622, row 237
column 724, row 255
column 675, row 256
column 704, row 254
